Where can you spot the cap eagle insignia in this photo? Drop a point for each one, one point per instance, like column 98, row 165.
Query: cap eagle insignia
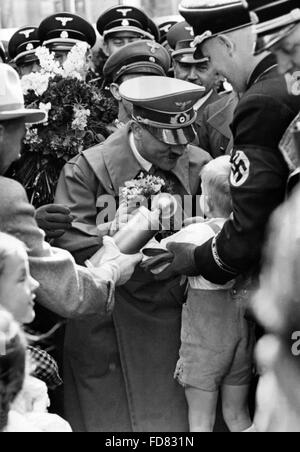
column 124, row 12
column 64, row 20
column 26, row 33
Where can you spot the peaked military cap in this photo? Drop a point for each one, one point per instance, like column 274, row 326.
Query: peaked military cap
column 23, row 44
column 2, row 52
column 276, row 20
column 125, row 18
column 140, row 57
column 62, row 31
column 181, row 40
column 211, row 18
column 164, row 29
column 165, row 105
column 154, row 30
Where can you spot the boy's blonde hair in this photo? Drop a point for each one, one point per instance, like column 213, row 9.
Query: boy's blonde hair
column 216, row 181
column 8, row 245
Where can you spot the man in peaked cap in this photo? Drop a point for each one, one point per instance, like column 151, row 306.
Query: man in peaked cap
column 277, row 21
column 164, row 29
column 122, row 25
column 62, row 31
column 279, row 32
column 65, row 288
column 119, row 371
column 139, row 58
column 259, row 174
column 21, row 49
column 187, row 67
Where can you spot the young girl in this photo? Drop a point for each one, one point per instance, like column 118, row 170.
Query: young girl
column 23, row 399
column 17, row 296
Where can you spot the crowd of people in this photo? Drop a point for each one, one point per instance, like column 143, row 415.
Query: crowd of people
column 162, row 322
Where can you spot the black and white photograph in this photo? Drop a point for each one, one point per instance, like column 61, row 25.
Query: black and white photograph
column 149, row 219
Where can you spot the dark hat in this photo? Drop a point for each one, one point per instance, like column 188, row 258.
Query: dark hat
column 2, row 52
column 62, row 31
column 125, row 18
column 154, row 30
column 276, row 20
column 211, row 18
column 23, row 44
column 164, row 29
column 181, row 40
column 165, row 105
column 140, row 57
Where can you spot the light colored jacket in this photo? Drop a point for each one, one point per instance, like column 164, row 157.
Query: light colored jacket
column 65, row 288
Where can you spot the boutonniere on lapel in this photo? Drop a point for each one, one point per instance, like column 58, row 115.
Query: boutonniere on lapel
column 145, row 186
column 144, row 207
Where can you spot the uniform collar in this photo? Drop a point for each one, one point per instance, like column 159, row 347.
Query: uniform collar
column 145, row 165
column 219, row 120
column 202, row 101
column 265, row 66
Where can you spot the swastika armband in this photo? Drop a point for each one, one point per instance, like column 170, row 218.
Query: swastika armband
column 240, row 169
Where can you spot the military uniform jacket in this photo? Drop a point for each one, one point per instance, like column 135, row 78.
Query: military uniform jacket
column 258, row 178
column 215, row 135
column 119, row 371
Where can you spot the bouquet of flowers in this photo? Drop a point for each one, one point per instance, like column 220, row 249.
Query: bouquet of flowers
column 142, row 187
column 77, row 118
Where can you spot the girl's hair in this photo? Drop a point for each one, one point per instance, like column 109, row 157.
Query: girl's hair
column 12, row 363
column 216, row 179
column 8, row 244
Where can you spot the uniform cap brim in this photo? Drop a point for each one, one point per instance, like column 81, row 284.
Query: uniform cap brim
column 183, row 136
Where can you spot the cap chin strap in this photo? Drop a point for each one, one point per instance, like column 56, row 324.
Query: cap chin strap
column 159, row 125
column 201, row 38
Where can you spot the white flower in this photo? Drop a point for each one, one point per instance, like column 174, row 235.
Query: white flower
column 47, row 62
column 81, row 116
column 37, row 82
column 75, row 65
column 46, row 108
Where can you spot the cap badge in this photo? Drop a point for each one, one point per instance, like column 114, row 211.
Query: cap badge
column 64, row 20
column 125, row 23
column 191, row 30
column 26, row 33
column 153, row 46
column 166, row 28
column 64, row 35
column 181, row 119
column 124, row 12
column 183, row 105
column 29, row 47
column 152, row 59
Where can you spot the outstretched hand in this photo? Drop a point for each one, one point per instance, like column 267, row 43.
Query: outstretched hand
column 183, row 261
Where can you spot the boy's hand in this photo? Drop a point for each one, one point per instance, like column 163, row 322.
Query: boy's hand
column 183, row 262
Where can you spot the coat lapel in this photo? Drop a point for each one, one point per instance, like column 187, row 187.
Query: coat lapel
column 219, row 120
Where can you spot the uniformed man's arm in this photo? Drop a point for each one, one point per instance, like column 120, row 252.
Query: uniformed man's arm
column 258, row 181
